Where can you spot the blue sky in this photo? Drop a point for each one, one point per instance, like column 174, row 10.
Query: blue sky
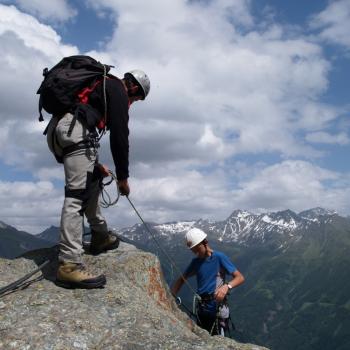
column 248, row 107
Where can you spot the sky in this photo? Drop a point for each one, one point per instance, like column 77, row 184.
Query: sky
column 248, row 108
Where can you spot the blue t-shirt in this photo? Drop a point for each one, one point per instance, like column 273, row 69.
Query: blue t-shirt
column 210, row 272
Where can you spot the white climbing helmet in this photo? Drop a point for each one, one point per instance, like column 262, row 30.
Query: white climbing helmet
column 142, row 78
column 195, row 236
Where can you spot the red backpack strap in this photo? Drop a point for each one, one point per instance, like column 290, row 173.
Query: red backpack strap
column 83, row 95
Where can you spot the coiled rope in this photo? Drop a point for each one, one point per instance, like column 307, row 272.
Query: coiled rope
column 106, row 200
column 23, row 281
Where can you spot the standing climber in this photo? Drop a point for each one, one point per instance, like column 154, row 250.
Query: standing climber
column 74, row 136
column 210, row 268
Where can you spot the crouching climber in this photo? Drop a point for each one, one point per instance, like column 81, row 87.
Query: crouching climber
column 73, row 138
column 210, row 268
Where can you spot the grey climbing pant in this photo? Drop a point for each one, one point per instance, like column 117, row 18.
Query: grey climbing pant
column 82, row 188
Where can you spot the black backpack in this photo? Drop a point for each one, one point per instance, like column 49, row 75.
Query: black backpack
column 62, row 84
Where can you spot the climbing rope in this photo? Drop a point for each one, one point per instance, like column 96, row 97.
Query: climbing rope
column 23, row 281
column 107, row 202
column 171, row 261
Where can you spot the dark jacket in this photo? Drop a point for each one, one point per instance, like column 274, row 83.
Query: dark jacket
column 117, row 121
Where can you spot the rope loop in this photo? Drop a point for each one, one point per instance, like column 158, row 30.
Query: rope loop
column 106, row 200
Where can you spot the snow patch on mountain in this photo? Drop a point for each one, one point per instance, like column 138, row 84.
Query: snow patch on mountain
column 314, row 214
column 174, row 227
column 290, row 224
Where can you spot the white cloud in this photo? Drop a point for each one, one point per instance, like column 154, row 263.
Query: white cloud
column 208, row 139
column 31, row 34
column 178, row 196
column 31, row 206
column 247, row 92
column 296, row 185
column 27, row 47
column 324, row 137
column 220, row 88
column 334, row 23
column 54, row 10
column 205, row 72
column 293, row 184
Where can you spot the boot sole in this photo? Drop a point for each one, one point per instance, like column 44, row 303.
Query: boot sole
column 81, row 285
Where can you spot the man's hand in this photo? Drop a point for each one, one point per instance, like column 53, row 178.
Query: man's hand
column 124, row 188
column 221, row 292
column 103, row 169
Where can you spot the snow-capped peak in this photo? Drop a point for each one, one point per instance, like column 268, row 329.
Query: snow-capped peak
column 315, row 213
column 174, row 227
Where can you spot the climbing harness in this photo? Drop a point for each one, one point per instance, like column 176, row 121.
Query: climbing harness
column 24, row 281
column 221, row 324
column 222, row 315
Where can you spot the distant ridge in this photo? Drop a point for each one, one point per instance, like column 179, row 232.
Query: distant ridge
column 14, row 243
column 241, row 227
column 297, row 268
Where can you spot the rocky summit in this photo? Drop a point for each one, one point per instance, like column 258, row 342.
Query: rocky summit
column 134, row 311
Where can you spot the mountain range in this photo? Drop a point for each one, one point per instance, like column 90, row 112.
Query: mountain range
column 14, row 243
column 296, row 265
column 244, row 228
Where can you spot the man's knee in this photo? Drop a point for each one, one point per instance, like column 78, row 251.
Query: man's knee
column 82, row 194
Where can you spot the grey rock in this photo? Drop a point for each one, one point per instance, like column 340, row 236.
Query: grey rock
column 134, row 311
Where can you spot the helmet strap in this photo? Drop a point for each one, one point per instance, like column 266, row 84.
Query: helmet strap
column 208, row 251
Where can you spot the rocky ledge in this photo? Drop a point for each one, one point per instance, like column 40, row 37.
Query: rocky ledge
column 134, row 311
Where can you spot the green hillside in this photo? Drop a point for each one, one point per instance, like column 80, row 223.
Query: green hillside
column 294, row 298
column 300, row 298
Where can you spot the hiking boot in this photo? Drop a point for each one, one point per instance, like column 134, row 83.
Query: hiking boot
column 100, row 244
column 72, row 275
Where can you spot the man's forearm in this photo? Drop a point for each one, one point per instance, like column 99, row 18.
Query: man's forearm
column 237, row 280
column 177, row 285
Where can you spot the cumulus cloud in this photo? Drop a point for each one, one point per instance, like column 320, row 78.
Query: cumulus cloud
column 215, row 91
column 28, row 46
column 207, row 73
column 334, row 23
column 324, row 137
column 54, row 10
column 296, row 185
column 221, row 87
column 30, row 206
column 292, row 184
column 168, row 197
